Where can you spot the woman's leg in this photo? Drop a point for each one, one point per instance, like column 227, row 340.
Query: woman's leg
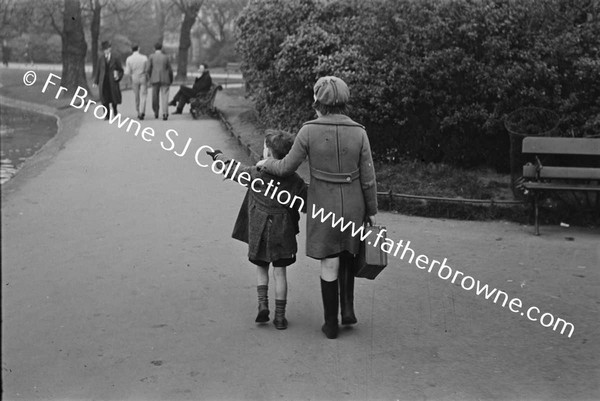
column 329, row 292
column 279, row 275
column 262, row 287
column 346, row 285
column 329, row 268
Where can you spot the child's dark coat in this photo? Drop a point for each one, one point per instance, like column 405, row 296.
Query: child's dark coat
column 267, row 226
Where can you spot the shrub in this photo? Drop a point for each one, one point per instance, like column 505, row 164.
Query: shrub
column 431, row 79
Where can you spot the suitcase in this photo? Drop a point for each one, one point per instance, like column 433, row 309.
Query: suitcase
column 371, row 260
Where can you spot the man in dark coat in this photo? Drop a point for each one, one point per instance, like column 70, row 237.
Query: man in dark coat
column 108, row 74
column 201, row 86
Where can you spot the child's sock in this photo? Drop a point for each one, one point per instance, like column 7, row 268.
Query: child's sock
column 280, row 321
column 263, row 304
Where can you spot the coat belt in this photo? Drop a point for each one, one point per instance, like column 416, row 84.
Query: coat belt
column 336, row 178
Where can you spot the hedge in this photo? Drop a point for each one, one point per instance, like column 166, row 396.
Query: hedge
column 431, row 79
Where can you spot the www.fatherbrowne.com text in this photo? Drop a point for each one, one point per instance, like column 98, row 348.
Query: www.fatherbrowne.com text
column 399, row 249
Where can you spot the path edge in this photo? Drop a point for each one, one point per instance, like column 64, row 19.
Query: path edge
column 68, row 122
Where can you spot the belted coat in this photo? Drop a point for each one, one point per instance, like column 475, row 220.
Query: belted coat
column 342, row 181
column 111, row 93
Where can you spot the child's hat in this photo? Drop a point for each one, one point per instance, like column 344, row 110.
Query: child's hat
column 331, row 91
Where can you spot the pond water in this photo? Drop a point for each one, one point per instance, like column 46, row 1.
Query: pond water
column 22, row 133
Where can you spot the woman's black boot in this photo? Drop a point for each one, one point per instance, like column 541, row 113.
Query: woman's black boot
column 329, row 292
column 346, row 283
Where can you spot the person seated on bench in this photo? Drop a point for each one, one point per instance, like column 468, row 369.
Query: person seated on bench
column 201, row 86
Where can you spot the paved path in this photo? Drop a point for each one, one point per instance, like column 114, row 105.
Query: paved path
column 120, row 282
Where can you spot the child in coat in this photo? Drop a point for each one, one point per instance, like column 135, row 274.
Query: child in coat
column 268, row 222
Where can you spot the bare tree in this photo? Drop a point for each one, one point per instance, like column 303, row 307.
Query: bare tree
column 74, row 47
column 28, row 16
column 190, row 9
column 125, row 12
column 216, row 20
column 17, row 17
column 7, row 12
column 96, row 12
column 162, row 10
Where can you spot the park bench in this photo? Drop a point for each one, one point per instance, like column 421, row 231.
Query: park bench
column 232, row 68
column 563, row 165
column 204, row 104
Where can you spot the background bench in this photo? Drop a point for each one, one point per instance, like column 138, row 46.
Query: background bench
column 205, row 104
column 232, row 68
column 563, row 165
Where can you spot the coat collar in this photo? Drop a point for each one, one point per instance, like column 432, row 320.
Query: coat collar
column 334, row 119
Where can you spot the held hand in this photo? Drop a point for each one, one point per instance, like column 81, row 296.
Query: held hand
column 261, row 162
column 214, row 154
column 371, row 220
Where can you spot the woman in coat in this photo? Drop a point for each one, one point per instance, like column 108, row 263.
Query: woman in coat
column 343, row 183
column 109, row 72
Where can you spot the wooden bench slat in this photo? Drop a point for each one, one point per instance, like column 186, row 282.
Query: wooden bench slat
column 563, row 173
column 233, row 67
column 580, row 173
column 560, row 145
column 560, row 187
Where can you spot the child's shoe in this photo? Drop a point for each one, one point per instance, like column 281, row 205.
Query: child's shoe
column 263, row 304
column 280, row 321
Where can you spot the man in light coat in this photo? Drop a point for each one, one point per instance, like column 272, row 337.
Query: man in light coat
column 161, row 77
column 136, row 66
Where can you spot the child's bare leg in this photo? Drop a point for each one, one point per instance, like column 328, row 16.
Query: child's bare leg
column 262, row 275
column 262, row 281
column 279, row 274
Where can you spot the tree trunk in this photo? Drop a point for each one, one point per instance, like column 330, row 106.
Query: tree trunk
column 73, row 47
column 95, row 31
column 160, row 16
column 185, row 40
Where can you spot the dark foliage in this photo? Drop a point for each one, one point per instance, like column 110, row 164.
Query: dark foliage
column 431, row 79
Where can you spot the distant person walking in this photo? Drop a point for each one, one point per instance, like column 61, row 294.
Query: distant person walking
column 136, row 66
column 202, row 85
column 109, row 73
column 5, row 53
column 28, row 54
column 161, row 77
